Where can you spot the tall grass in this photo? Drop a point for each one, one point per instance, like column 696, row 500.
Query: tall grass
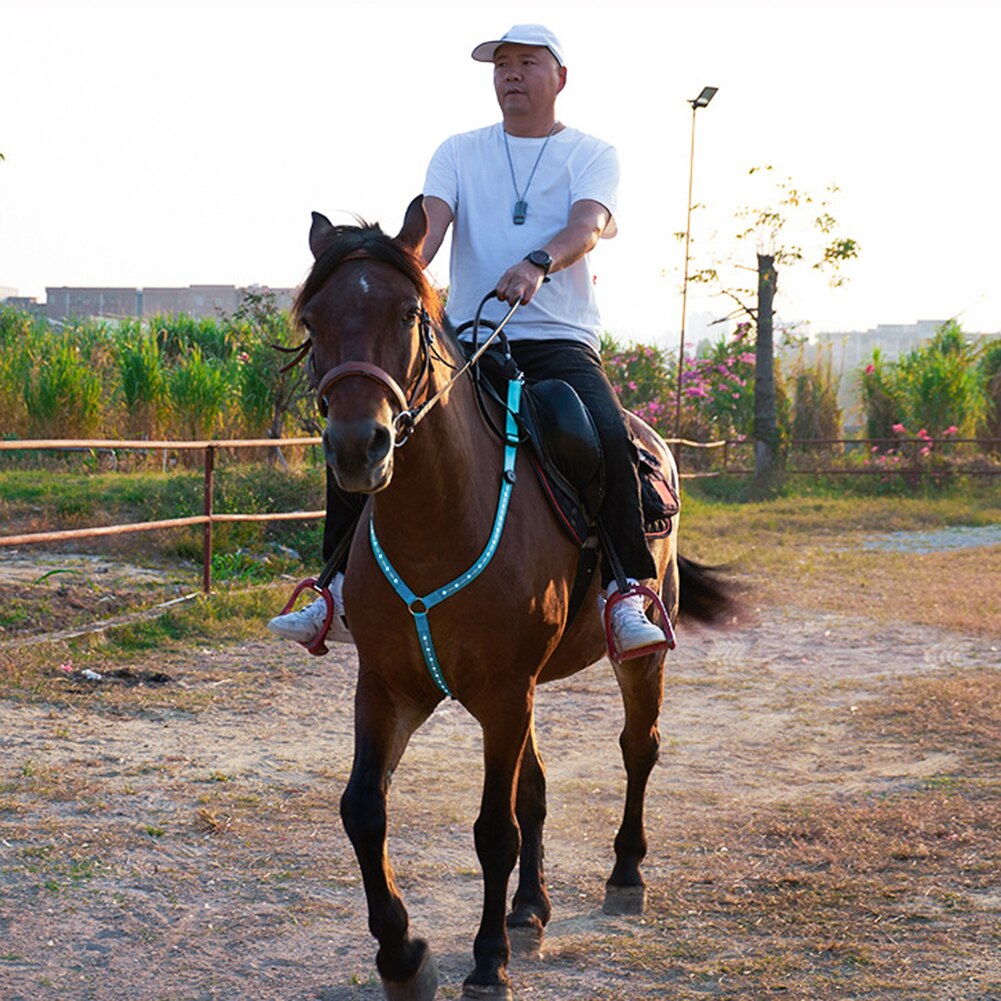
column 816, row 412
column 143, row 380
column 200, row 390
column 63, row 393
column 177, row 376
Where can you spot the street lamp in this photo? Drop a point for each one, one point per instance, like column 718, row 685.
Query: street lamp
column 702, row 101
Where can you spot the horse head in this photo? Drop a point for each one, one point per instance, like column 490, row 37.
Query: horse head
column 368, row 310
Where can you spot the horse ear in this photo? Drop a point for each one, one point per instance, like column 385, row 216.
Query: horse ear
column 321, row 233
column 415, row 225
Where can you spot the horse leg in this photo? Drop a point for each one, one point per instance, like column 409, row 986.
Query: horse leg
column 505, row 731
column 530, row 909
column 642, row 686
column 382, row 730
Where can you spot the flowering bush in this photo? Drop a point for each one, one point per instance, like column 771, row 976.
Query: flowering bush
column 717, row 387
column 643, row 379
column 935, row 386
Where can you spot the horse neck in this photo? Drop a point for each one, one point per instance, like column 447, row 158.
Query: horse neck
column 445, row 482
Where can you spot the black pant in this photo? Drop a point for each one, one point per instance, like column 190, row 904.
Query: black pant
column 621, row 512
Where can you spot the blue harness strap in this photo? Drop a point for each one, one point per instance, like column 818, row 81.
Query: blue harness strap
column 420, row 606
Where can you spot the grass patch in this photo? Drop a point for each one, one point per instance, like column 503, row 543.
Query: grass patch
column 52, row 672
column 951, row 712
column 809, row 552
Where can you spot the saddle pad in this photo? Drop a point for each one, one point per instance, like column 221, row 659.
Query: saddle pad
column 660, row 500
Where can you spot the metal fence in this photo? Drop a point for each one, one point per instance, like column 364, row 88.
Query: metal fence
column 912, row 458
column 206, row 519
column 915, row 461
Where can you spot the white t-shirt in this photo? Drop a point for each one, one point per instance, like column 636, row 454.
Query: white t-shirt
column 471, row 174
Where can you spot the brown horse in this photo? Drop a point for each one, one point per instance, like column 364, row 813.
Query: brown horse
column 377, row 351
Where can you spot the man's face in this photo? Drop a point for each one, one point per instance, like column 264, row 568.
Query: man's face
column 527, row 78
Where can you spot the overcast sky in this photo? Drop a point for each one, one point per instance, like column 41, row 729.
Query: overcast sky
column 152, row 144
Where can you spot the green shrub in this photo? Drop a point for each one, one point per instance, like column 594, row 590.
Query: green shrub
column 937, row 387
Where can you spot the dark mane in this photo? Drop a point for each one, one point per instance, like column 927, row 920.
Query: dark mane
column 378, row 246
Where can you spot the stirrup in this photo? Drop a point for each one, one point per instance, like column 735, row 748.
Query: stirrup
column 315, row 646
column 669, row 642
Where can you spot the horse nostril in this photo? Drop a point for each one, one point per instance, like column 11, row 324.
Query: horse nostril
column 379, row 444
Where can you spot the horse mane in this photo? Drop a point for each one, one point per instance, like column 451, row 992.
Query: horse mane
column 378, row 246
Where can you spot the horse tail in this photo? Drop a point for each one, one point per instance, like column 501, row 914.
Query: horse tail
column 705, row 594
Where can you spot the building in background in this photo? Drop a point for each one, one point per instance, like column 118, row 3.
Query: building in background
column 64, row 301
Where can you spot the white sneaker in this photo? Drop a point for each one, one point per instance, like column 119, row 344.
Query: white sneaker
column 631, row 629
column 305, row 624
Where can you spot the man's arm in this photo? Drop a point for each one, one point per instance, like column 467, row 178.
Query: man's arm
column 522, row 280
column 439, row 219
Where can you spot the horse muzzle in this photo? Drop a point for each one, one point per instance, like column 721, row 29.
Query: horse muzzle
column 360, row 454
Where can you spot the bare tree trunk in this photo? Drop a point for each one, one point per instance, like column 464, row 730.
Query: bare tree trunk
column 766, row 432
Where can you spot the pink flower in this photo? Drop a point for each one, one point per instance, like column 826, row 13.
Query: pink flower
column 952, row 429
column 870, row 368
column 899, row 429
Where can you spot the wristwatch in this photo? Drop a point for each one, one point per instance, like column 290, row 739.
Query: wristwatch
column 541, row 259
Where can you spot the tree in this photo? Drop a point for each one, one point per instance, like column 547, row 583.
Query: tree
column 790, row 218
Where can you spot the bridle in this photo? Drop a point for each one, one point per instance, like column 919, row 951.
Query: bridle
column 409, row 413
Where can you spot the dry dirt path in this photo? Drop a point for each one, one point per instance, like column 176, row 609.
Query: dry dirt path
column 196, row 853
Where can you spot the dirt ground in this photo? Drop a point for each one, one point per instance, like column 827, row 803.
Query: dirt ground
column 186, row 845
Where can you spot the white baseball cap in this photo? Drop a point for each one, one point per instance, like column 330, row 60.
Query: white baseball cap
column 521, row 34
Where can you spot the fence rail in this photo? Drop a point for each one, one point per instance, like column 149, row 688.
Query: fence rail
column 913, row 468
column 206, row 519
column 912, row 457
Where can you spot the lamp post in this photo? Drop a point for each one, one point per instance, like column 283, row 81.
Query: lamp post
column 702, row 101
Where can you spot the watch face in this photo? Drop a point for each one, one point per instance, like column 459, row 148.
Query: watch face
column 541, row 259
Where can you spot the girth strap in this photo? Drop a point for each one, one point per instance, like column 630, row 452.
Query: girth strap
column 420, row 606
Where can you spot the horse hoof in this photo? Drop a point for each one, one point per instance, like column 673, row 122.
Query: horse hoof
column 420, row 987
column 496, row 992
column 526, row 940
column 624, row 899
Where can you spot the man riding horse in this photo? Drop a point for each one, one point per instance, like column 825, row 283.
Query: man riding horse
column 528, row 199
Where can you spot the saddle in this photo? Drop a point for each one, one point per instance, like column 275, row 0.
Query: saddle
column 566, row 455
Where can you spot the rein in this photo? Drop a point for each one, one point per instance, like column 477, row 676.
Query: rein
column 407, row 420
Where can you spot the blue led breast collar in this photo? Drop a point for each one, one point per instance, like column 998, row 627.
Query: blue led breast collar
column 420, row 606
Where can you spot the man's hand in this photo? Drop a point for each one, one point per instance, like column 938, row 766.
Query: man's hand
column 520, row 283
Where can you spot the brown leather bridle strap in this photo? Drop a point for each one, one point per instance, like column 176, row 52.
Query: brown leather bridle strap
column 368, row 371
